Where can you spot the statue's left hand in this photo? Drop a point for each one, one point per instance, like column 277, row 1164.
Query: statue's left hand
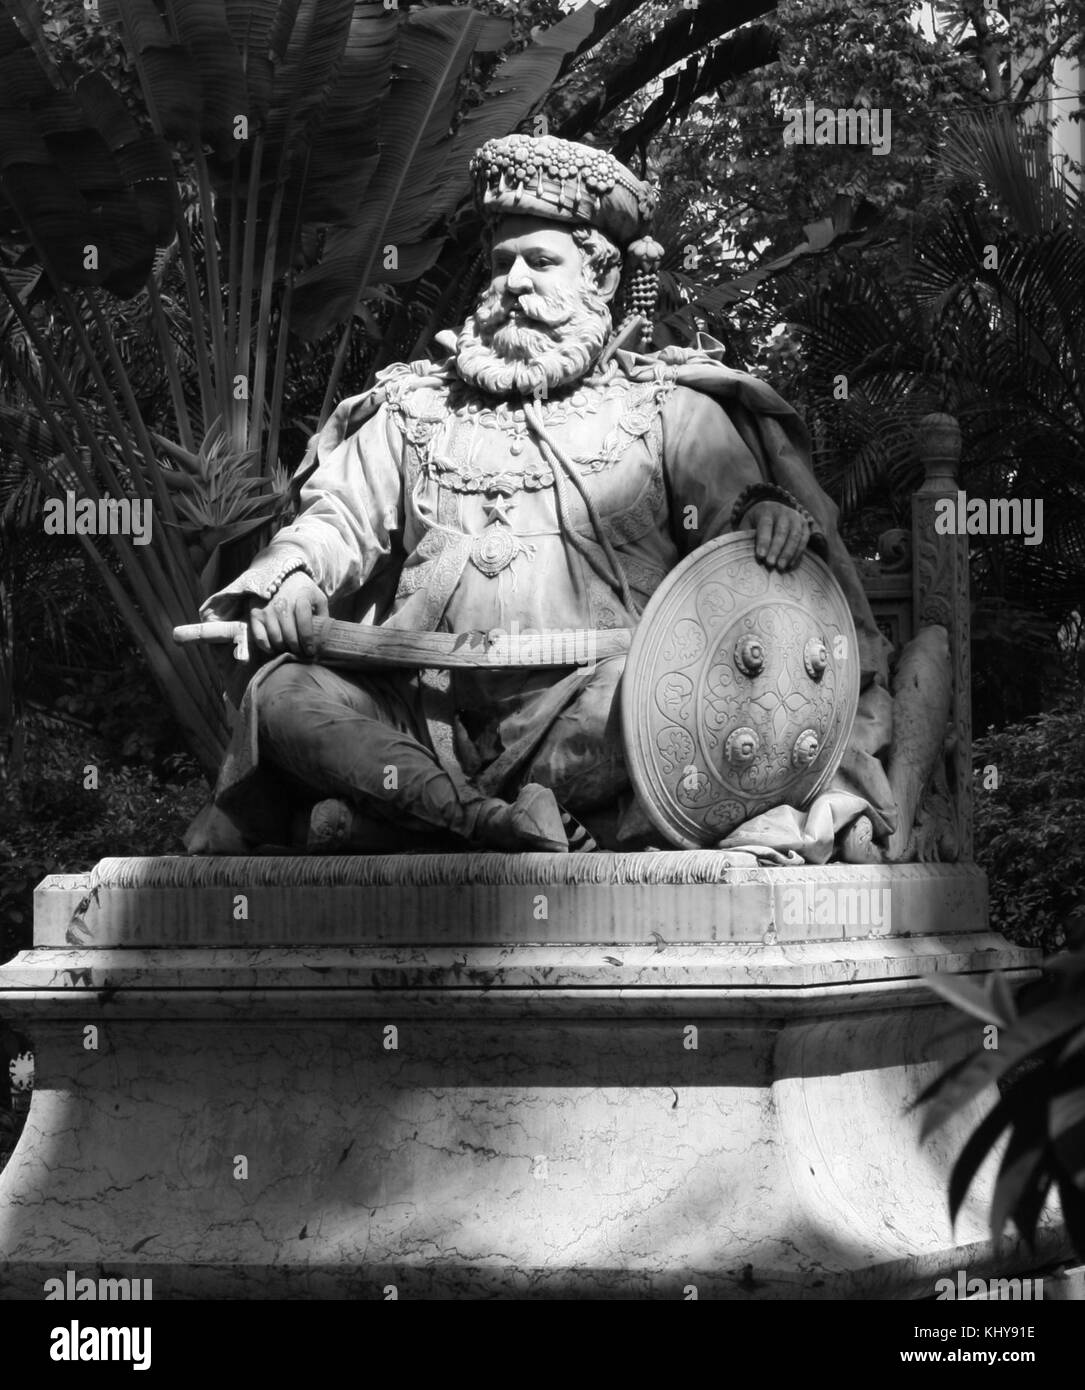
column 781, row 533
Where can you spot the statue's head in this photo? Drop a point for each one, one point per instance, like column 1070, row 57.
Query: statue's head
column 559, row 217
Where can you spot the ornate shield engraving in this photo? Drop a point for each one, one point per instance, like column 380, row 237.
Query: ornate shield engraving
column 739, row 691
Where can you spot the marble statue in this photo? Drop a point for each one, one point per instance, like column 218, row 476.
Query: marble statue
column 544, row 475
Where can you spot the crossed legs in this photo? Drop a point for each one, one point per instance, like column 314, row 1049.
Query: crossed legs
column 358, row 740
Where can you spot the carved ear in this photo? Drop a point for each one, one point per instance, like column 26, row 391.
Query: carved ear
column 609, row 281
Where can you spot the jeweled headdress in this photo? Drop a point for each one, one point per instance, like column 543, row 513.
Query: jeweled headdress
column 542, row 176
column 563, row 181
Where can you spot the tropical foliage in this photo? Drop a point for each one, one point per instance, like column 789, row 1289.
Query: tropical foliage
column 986, row 320
column 713, row 135
column 224, row 212
column 1034, row 1051
column 1029, row 806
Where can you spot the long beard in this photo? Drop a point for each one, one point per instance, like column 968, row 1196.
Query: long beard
column 541, row 344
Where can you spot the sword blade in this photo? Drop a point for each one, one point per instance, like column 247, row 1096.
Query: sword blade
column 362, row 646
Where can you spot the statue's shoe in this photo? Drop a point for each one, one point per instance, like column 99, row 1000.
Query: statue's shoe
column 534, row 821
column 329, row 825
column 336, row 827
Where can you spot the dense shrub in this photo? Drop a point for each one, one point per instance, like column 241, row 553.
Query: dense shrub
column 50, row 822
column 1030, row 822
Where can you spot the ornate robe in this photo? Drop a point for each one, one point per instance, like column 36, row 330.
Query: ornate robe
column 430, row 506
column 439, row 512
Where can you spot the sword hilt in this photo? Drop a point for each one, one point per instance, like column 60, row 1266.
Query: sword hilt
column 235, row 632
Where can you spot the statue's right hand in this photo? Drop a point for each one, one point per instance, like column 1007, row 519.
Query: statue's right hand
column 285, row 622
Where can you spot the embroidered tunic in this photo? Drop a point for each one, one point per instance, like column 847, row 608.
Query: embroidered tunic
column 442, row 512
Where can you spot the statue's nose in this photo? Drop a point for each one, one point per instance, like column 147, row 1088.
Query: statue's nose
column 518, row 280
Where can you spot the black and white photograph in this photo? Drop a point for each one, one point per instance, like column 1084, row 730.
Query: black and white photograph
column 542, row 672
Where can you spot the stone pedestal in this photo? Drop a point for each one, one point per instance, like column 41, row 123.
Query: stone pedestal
column 493, row 1076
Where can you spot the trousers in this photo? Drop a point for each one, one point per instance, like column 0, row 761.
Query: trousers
column 363, row 737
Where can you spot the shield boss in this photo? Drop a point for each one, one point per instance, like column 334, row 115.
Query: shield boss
column 739, row 691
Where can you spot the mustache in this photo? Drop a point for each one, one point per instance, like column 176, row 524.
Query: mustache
column 550, row 311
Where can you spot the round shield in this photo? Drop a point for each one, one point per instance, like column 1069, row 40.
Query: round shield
column 739, row 691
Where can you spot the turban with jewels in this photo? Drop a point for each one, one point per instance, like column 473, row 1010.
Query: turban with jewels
column 563, row 181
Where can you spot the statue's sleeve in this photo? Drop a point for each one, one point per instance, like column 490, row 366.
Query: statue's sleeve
column 707, row 466
column 351, row 506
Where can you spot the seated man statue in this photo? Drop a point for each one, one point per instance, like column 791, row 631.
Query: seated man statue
column 544, row 476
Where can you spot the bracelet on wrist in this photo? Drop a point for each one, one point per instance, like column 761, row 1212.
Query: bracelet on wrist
column 269, row 587
column 767, row 492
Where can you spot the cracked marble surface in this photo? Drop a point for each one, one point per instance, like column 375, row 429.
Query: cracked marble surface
column 519, row 1151
column 505, row 1118
column 732, row 979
